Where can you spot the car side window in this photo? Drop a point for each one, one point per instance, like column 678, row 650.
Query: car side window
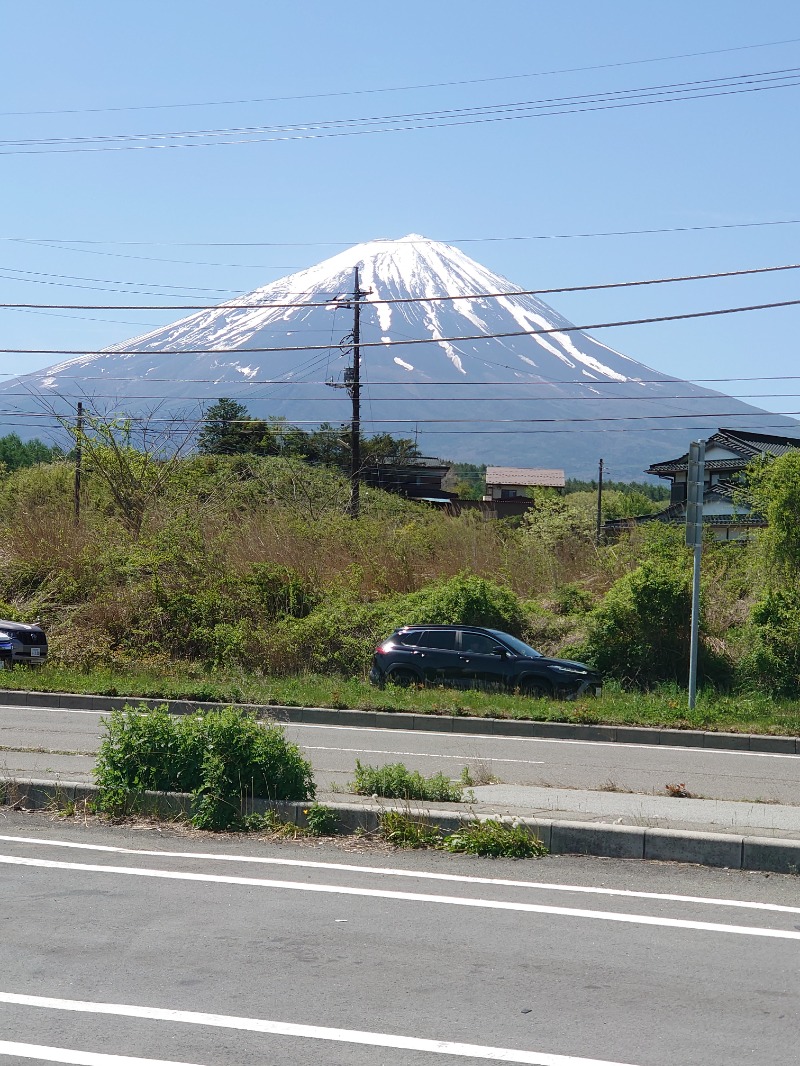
column 408, row 638
column 444, row 640
column 478, row 644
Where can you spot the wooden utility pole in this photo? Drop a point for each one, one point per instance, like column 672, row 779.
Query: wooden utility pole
column 78, row 457
column 599, row 502
column 355, row 394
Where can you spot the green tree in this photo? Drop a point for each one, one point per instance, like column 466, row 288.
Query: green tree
column 226, row 430
column 16, row 453
column 773, row 489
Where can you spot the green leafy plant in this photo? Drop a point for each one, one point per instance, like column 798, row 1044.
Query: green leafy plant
column 405, row 830
column 396, row 781
column 220, row 757
column 496, row 839
column 321, row 821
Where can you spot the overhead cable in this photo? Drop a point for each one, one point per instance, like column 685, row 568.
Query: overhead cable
column 334, row 128
column 405, row 88
column 331, row 301
column 122, row 350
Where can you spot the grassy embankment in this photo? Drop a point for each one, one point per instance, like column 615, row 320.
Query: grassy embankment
column 241, row 579
column 663, row 707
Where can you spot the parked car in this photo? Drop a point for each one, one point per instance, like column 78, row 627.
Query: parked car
column 473, row 657
column 20, row 643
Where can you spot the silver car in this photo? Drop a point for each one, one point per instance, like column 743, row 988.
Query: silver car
column 21, row 643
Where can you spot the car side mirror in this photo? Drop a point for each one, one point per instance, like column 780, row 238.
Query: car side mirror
column 500, row 651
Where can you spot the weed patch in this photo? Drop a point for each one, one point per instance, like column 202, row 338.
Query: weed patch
column 496, row 839
column 220, row 757
column 405, row 830
column 396, row 781
column 321, row 821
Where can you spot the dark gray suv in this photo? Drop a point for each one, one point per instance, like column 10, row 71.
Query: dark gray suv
column 472, row 657
column 21, row 643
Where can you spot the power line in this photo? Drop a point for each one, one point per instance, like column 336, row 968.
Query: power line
column 409, row 299
column 121, row 350
column 711, row 425
column 62, row 244
column 404, row 88
column 203, row 419
column 665, row 379
column 62, row 394
column 101, row 282
column 598, row 96
column 332, row 128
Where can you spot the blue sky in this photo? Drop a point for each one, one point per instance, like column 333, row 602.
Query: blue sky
column 718, row 161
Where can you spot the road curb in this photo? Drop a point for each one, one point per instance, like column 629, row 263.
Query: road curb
column 560, row 837
column 505, row 727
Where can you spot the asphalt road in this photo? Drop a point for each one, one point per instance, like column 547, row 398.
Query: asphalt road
column 36, row 742
column 187, row 948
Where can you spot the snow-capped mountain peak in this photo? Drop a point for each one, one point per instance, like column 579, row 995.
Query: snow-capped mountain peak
column 524, row 397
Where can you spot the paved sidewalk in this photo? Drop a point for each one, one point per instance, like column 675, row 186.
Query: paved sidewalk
column 613, row 809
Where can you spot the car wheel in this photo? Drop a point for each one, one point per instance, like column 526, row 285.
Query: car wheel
column 402, row 677
column 536, row 689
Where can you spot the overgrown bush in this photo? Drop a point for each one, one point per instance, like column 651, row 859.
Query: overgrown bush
column 405, row 830
column 495, row 839
column 396, row 781
column 772, row 661
column 220, row 757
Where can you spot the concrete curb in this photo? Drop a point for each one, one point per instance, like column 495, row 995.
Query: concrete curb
column 501, row 727
column 559, row 837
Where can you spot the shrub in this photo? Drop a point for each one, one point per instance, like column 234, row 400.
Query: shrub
column 339, row 635
column 571, row 599
column 405, row 831
column 640, row 632
column 496, row 839
column 463, row 600
column 396, row 781
column 321, row 821
column 221, row 757
column 773, row 659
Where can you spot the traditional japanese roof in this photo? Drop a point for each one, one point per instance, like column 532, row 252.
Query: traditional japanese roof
column 744, row 444
column 528, row 476
column 676, row 512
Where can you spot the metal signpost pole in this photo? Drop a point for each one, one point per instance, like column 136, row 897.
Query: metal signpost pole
column 694, row 539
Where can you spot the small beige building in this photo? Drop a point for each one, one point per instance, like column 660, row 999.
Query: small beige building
column 510, row 482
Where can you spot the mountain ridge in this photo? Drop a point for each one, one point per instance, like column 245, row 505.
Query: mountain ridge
column 560, row 399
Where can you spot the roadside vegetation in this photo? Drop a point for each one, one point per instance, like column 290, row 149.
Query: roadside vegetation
column 396, row 781
column 222, row 758
column 239, row 577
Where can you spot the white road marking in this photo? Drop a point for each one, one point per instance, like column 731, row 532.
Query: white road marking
column 500, row 738
column 50, row 710
column 473, row 736
column 78, row 1058
column 419, row 754
column 412, row 897
column 309, row 1032
column 386, row 871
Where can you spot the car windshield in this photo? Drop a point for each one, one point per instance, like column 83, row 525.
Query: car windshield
column 519, row 646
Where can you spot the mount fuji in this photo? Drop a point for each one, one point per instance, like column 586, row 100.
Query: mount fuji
column 551, row 399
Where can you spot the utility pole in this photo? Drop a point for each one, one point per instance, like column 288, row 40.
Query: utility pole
column 695, row 480
column 599, row 502
column 352, row 382
column 78, row 457
column 355, row 394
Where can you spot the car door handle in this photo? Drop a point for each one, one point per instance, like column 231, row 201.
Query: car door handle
column 465, row 658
